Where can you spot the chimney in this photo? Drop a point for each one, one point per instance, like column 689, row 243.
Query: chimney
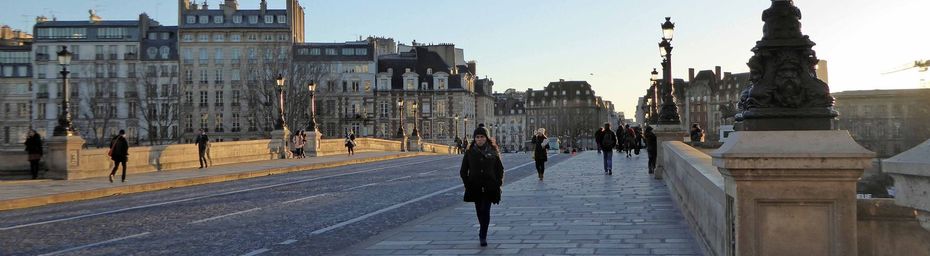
column 41, row 19
column 263, row 6
column 717, row 72
column 690, row 74
column 205, row 6
column 195, row 6
column 472, row 67
column 727, row 74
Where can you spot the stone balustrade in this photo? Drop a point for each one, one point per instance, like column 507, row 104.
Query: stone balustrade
column 887, row 229
column 698, row 189
column 338, row 146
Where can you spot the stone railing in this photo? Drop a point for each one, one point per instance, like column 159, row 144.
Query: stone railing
column 697, row 188
column 437, row 148
column 337, row 146
column 95, row 162
column 887, row 229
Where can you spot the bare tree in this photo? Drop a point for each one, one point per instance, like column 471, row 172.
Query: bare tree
column 159, row 98
column 96, row 109
column 262, row 69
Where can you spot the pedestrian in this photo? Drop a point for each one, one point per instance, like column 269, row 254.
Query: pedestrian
column 34, row 149
column 299, row 143
column 629, row 137
column 540, row 155
column 482, row 174
column 350, row 144
column 458, row 144
column 651, row 148
column 203, row 142
column 607, row 145
column 598, row 136
column 696, row 134
column 637, row 139
column 119, row 152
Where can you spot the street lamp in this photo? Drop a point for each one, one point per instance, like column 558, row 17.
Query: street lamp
column 311, row 125
column 64, row 120
column 416, row 119
column 669, row 113
column 400, row 111
column 466, row 125
column 654, row 107
column 455, row 125
column 280, row 82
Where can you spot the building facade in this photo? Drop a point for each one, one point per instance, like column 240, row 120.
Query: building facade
column 103, row 76
column 159, row 108
column 444, row 92
column 710, row 100
column 887, row 122
column 15, row 87
column 229, row 59
column 568, row 110
column 509, row 127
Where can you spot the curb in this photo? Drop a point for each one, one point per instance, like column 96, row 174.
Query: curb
column 160, row 185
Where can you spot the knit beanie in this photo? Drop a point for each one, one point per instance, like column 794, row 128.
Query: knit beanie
column 481, row 131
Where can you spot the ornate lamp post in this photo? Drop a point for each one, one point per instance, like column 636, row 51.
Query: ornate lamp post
column 416, row 119
column 654, row 107
column 280, row 125
column 455, row 124
column 466, row 125
column 64, row 119
column 669, row 112
column 400, row 125
column 311, row 125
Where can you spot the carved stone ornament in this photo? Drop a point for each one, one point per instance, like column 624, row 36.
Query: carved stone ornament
column 784, row 92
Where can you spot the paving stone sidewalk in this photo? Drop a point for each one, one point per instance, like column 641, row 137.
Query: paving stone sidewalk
column 577, row 210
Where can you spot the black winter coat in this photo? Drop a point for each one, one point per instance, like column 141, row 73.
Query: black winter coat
column 482, row 174
column 539, row 149
column 120, row 149
column 651, row 142
column 34, row 145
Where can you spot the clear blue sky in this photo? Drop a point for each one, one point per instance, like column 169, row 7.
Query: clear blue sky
column 528, row 43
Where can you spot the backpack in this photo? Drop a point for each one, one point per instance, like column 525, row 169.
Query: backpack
column 609, row 141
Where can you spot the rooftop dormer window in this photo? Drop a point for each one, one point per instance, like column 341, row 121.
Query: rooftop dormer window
column 253, row 19
column 282, row 19
column 237, row 19
column 204, row 19
column 191, row 19
column 269, row 19
column 429, row 71
column 218, row 19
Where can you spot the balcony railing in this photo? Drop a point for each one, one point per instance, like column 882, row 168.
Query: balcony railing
column 219, row 129
column 132, row 94
column 98, row 56
column 203, row 105
column 236, row 129
column 218, row 104
column 42, row 95
column 130, row 56
column 234, row 104
column 113, row 56
column 41, row 56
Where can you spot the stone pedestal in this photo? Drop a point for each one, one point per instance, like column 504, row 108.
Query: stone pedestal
column 911, row 173
column 64, row 157
column 313, row 143
column 792, row 192
column 665, row 133
column 279, row 143
column 403, row 143
column 413, row 144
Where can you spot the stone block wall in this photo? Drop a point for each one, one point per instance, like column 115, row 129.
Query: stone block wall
column 885, row 228
column 437, row 148
column 337, row 146
column 698, row 189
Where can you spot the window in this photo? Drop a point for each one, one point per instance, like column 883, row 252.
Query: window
column 191, row 19
column 235, row 97
column 442, row 84
column 219, row 97
column 269, row 19
column 235, row 37
column 219, row 76
column 218, row 54
column 188, row 54
column 235, row 75
column 165, row 36
column 204, row 19
column 112, row 33
column 253, row 19
column 188, row 76
column 203, row 121
column 235, row 55
column 252, row 53
column 282, row 18
column 188, row 37
column 303, row 51
column 219, row 37
column 282, row 37
column 237, row 19
column 385, row 107
column 164, row 51
column 330, row 51
column 218, row 19
column 429, row 71
column 348, row 51
column 153, row 35
column 203, row 97
column 235, row 121
column 203, row 76
column 315, row 51
column 268, row 37
column 203, row 37
column 61, row 33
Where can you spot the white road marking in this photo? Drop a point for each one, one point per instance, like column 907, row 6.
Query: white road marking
column 392, row 207
column 304, row 198
column 95, row 244
column 224, row 215
column 398, row 178
column 287, row 242
column 257, row 252
column 362, row 186
column 200, row 197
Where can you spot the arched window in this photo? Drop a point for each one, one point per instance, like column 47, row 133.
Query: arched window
column 164, row 51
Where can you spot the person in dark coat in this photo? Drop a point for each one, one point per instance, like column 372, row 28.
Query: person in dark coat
column 539, row 152
column 598, row 136
column 651, row 148
column 34, row 149
column 608, row 142
column 482, row 174
column 119, row 152
column 696, row 134
column 203, row 142
column 350, row 144
column 637, row 139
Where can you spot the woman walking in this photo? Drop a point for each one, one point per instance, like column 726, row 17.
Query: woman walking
column 539, row 152
column 350, row 144
column 482, row 174
column 299, row 141
column 119, row 152
column 34, row 149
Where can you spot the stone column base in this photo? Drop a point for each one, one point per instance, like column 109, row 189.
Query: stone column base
column 64, row 157
column 413, row 144
column 665, row 133
column 279, row 143
column 313, row 143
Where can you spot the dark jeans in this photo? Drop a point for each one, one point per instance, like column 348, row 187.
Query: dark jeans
column 483, row 208
column 115, row 165
column 608, row 160
column 34, row 168
column 202, row 152
column 540, row 167
column 652, row 161
column 351, row 150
